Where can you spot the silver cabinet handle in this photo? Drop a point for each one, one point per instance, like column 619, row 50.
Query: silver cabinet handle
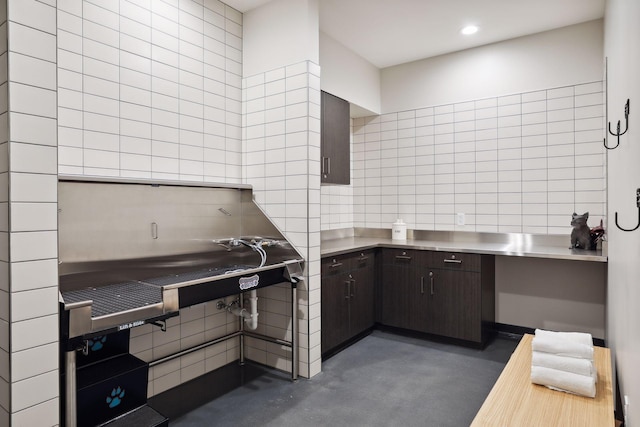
column 454, row 261
column 431, row 280
column 325, row 170
column 335, row 264
column 353, row 287
column 154, row 230
column 403, row 257
column 421, row 284
column 348, row 288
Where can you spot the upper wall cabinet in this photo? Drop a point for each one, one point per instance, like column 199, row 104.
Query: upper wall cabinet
column 335, row 140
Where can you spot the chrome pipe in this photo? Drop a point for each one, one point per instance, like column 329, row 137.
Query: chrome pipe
column 294, row 331
column 194, row 348
column 269, row 339
column 70, row 389
column 241, row 327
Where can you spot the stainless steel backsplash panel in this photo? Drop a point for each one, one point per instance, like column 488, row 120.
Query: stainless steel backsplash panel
column 122, row 219
column 521, row 240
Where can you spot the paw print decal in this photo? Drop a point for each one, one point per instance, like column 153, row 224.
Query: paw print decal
column 97, row 343
column 117, row 394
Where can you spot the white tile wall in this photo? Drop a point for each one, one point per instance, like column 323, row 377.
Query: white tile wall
column 519, row 163
column 153, row 89
column 30, row 329
column 150, row 89
column 195, row 325
column 281, row 161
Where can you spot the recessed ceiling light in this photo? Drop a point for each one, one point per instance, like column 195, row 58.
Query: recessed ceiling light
column 469, row 29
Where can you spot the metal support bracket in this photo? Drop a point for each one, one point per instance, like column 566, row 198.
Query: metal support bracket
column 162, row 324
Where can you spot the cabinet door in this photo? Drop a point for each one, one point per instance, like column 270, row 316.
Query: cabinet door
column 455, row 309
column 335, row 295
column 422, row 305
column 400, row 285
column 335, row 137
column 362, row 292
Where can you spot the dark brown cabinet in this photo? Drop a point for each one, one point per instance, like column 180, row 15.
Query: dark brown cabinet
column 335, row 138
column 441, row 293
column 400, row 288
column 362, row 292
column 347, row 297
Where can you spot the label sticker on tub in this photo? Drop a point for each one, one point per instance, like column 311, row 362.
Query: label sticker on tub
column 131, row 325
column 249, row 282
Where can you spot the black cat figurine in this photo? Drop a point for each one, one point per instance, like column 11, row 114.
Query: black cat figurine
column 581, row 234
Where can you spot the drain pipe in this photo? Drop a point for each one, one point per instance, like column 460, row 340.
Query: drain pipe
column 250, row 316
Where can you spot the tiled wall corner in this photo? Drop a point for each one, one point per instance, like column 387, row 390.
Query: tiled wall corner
column 33, row 383
column 281, row 137
column 150, row 89
column 519, row 164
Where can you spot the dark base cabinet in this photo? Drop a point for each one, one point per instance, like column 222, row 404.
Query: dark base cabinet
column 401, row 304
column 444, row 294
column 347, row 297
column 440, row 293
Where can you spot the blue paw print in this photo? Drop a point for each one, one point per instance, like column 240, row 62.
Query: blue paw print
column 97, row 343
column 116, row 397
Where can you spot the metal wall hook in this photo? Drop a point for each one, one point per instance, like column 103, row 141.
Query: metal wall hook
column 618, row 134
column 638, row 205
column 626, row 119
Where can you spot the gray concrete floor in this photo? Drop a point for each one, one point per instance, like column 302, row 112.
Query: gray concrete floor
column 383, row 380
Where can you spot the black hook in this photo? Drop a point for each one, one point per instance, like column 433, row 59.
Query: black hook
column 618, row 134
column 638, row 205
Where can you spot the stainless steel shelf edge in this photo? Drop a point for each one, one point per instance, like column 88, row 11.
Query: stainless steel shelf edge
column 89, row 178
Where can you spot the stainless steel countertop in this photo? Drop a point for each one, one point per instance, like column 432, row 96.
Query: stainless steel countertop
column 514, row 245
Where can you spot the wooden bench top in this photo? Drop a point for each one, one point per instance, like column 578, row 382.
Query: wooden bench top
column 515, row 401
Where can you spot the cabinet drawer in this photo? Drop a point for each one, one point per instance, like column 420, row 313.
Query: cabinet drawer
column 456, row 261
column 401, row 257
column 331, row 266
column 362, row 259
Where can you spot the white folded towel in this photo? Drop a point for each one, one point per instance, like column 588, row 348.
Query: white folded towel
column 563, row 363
column 579, row 337
column 562, row 347
column 564, row 381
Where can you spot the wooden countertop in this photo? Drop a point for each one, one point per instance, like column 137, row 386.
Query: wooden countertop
column 515, row 401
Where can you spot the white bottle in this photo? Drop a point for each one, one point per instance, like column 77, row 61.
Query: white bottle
column 399, row 230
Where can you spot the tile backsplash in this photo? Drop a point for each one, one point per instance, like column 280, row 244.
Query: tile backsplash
column 520, row 164
column 150, row 89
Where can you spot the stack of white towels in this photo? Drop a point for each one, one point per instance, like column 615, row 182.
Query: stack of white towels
column 564, row 361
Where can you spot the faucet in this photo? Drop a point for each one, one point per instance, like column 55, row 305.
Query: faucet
column 228, row 244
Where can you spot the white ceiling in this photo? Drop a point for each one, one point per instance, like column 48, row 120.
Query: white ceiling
column 391, row 32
